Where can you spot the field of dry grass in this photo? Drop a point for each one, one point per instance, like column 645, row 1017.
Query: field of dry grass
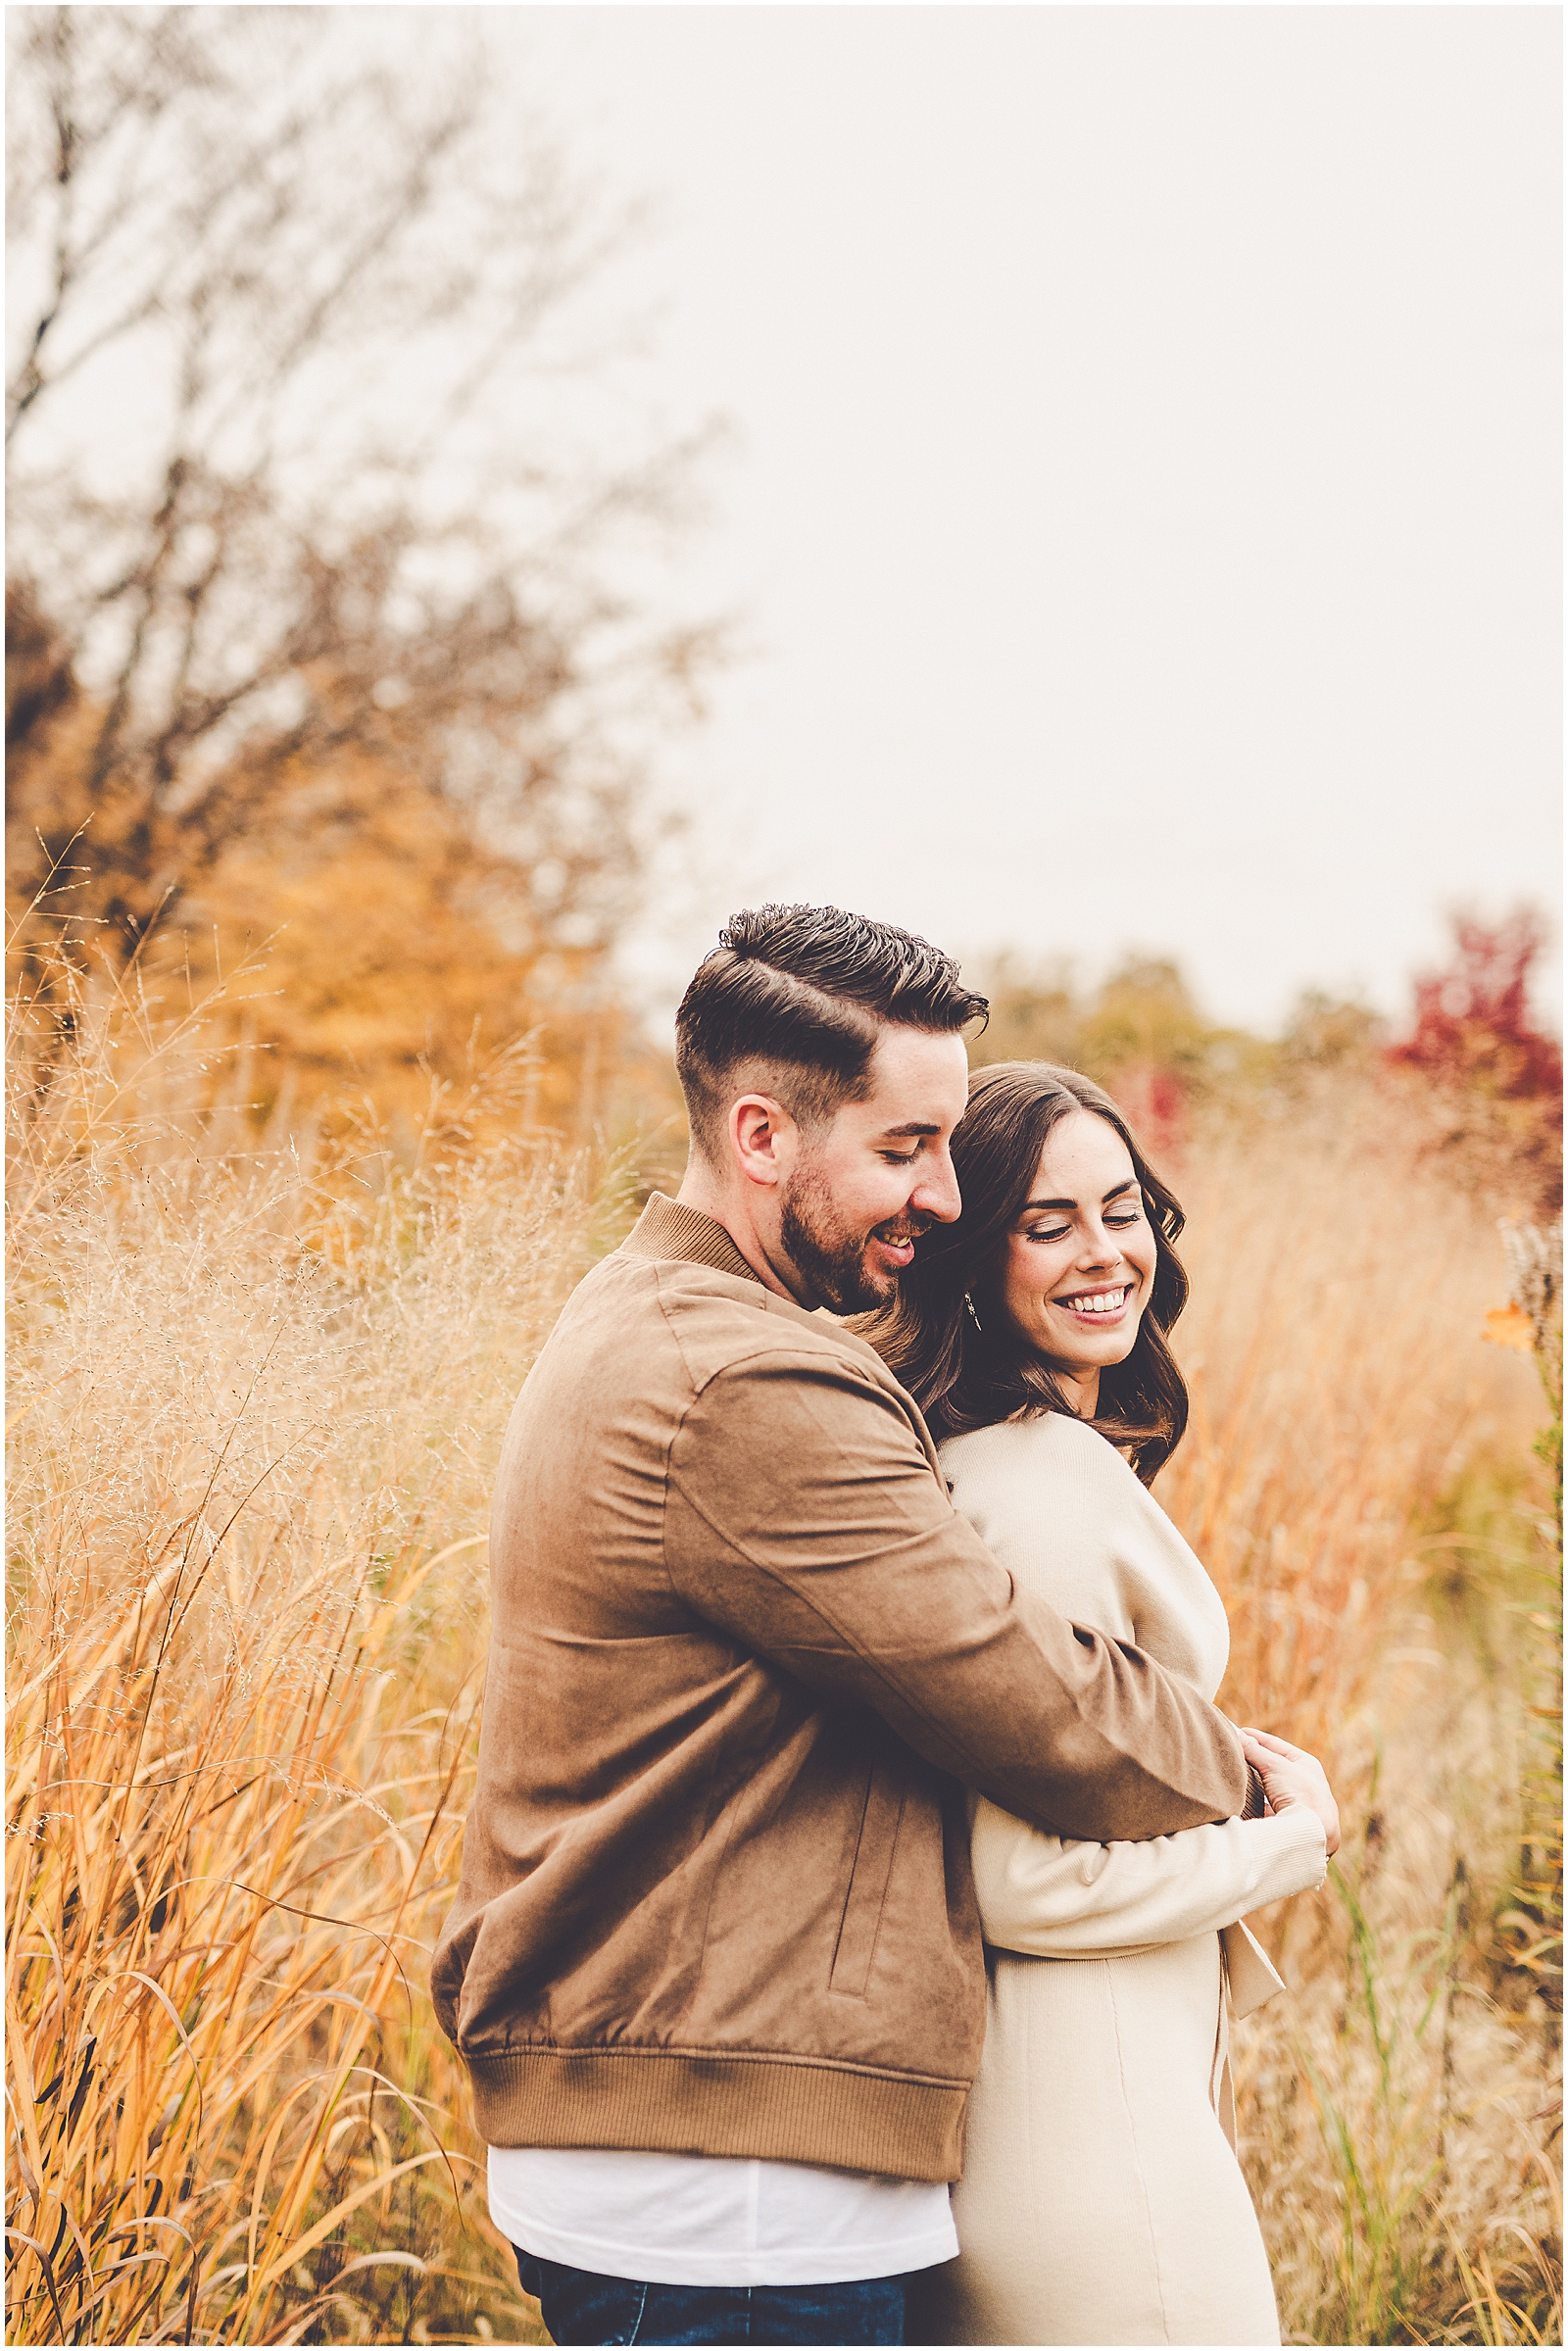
column 257, row 1392
column 1359, row 1478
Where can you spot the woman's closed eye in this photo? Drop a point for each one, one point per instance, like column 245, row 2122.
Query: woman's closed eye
column 1118, row 1221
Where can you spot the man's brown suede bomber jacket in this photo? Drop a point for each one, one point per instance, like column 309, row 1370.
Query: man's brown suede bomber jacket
column 715, row 1894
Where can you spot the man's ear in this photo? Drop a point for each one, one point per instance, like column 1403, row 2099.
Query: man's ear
column 763, row 1138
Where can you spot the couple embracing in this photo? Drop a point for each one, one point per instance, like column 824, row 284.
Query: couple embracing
column 850, row 1916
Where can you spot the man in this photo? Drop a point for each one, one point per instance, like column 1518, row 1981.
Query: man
column 714, row 1963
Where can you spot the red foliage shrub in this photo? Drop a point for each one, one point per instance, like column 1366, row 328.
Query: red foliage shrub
column 1472, row 1019
column 1153, row 1102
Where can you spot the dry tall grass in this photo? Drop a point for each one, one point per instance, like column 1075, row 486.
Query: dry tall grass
column 1356, row 1477
column 1339, row 1390
column 257, row 1402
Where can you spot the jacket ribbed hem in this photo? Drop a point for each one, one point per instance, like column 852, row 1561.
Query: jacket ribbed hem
column 688, row 2104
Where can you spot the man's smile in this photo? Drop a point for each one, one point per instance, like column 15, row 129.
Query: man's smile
column 897, row 1240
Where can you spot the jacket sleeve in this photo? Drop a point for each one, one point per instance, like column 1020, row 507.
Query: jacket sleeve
column 1057, row 1898
column 804, row 1516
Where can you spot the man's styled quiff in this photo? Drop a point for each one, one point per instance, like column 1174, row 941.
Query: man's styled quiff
column 793, row 999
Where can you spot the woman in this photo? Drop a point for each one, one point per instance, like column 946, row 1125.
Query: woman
column 1100, row 2201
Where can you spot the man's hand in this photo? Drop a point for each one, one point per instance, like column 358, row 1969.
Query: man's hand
column 1290, row 1776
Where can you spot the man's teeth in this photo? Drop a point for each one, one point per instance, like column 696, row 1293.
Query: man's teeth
column 1099, row 1302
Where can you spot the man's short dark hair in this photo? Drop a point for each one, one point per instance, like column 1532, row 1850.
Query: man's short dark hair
column 801, row 994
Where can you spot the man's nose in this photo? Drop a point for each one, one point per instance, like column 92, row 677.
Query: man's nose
column 936, row 1193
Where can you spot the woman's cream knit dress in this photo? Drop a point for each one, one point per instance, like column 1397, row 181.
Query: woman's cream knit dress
column 1101, row 2199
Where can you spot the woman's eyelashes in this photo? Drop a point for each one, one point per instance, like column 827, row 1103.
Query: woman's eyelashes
column 1116, row 1222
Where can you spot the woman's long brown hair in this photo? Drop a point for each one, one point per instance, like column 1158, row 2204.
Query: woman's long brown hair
column 966, row 1370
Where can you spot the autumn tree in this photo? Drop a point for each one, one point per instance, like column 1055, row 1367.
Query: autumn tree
column 1473, row 1023
column 316, row 607
column 1139, row 1034
column 1487, row 1077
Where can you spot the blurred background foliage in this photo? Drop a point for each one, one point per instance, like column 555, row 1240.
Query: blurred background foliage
column 277, row 666
column 1469, row 1065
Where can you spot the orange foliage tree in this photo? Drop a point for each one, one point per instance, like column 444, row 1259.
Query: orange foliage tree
column 324, row 644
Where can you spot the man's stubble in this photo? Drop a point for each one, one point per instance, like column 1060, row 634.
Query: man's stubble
column 828, row 1252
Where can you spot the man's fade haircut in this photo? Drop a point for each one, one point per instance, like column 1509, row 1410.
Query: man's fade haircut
column 801, row 994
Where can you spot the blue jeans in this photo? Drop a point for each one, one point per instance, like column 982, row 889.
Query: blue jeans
column 578, row 2306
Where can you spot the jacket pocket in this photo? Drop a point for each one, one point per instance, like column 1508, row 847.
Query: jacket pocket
column 868, row 1882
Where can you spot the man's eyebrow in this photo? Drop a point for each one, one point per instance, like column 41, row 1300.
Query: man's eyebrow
column 1115, row 1192
column 916, row 1126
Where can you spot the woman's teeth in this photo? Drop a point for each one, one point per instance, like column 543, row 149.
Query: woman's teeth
column 1098, row 1302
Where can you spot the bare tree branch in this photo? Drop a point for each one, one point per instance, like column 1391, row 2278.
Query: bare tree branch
column 271, row 241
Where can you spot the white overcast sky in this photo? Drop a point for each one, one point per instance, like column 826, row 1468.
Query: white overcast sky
column 1143, row 507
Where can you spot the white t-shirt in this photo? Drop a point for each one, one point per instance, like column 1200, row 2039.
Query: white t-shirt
column 714, row 2220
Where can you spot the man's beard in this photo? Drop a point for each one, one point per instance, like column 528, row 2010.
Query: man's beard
column 831, row 1255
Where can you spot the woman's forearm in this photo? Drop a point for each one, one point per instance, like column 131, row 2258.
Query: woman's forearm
column 1058, row 1898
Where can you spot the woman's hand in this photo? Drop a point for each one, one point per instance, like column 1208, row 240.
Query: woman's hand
column 1290, row 1776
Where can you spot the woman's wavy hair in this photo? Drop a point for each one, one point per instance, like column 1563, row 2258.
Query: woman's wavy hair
column 966, row 1370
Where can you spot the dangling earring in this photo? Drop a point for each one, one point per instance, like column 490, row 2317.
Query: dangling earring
column 973, row 1316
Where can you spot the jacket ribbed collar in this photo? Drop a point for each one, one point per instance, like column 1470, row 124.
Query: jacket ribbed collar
column 668, row 1229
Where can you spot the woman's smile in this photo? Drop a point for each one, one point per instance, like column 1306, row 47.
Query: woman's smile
column 1096, row 1306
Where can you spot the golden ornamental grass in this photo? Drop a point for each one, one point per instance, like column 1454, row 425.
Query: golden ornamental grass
column 256, row 1405
column 1357, row 1476
column 1339, row 1388
column 258, row 1392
